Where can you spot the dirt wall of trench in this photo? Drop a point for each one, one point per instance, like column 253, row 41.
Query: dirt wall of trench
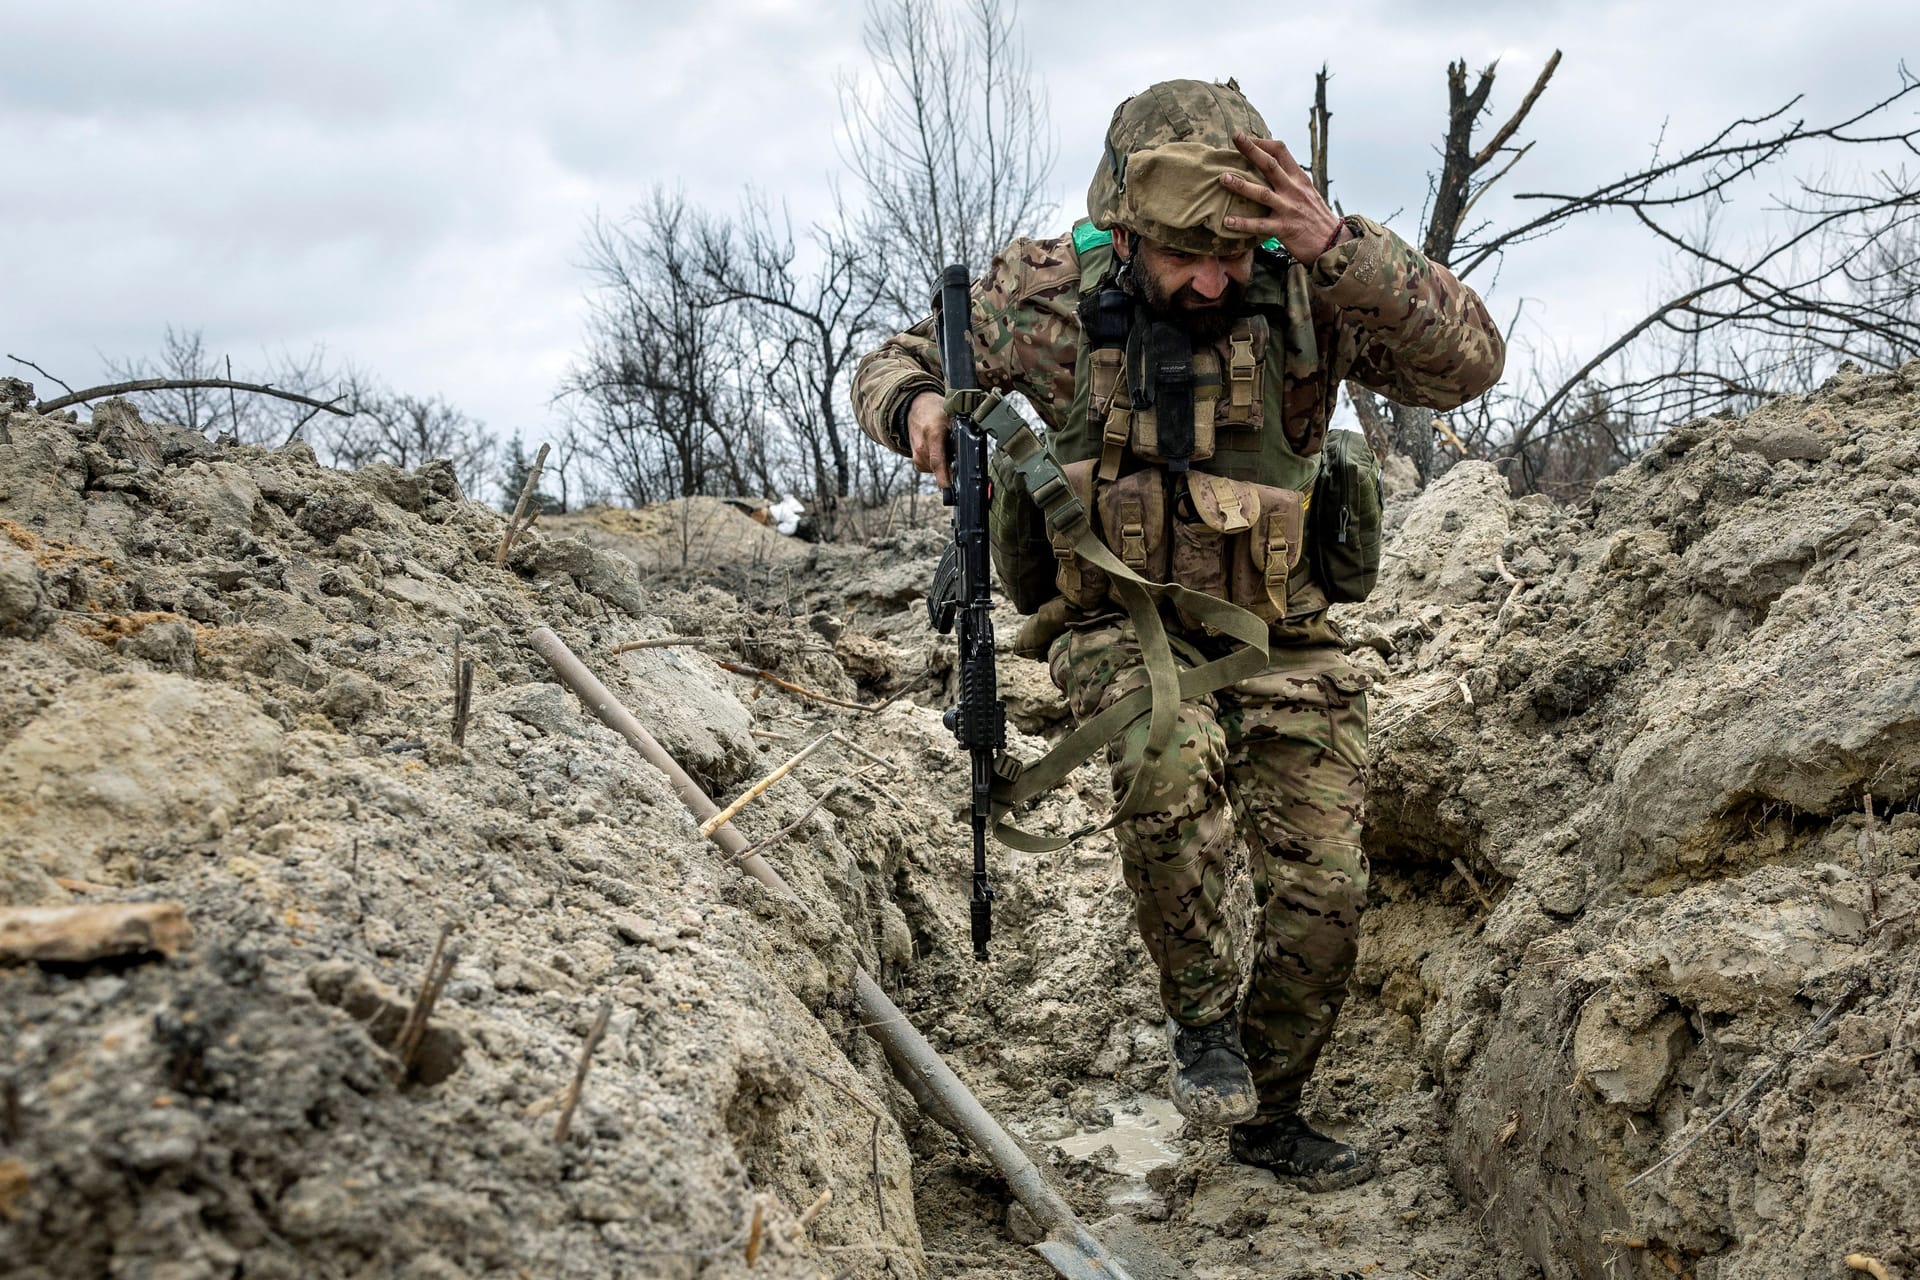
column 1623, row 864
column 1674, row 734
column 226, row 681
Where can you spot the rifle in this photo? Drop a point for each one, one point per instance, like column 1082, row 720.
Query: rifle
column 962, row 591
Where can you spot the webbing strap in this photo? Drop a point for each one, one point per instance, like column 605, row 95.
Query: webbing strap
column 1113, row 441
column 966, row 402
column 1167, row 685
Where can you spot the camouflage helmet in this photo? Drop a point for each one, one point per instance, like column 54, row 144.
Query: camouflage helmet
column 1159, row 176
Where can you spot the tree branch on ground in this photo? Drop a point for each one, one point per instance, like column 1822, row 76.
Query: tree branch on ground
column 180, row 384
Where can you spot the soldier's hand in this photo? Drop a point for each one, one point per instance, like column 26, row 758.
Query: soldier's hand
column 929, row 435
column 1300, row 217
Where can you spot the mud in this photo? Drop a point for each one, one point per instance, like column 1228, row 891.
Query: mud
column 1623, row 863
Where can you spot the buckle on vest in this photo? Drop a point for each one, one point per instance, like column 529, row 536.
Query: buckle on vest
column 1133, row 535
column 1240, row 368
column 1049, row 485
column 1234, row 515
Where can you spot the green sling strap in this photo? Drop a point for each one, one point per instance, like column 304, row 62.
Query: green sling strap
column 1167, row 685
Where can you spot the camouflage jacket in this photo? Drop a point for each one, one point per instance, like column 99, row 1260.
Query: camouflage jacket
column 1373, row 309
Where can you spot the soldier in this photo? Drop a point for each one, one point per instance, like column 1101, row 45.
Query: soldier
column 1184, row 346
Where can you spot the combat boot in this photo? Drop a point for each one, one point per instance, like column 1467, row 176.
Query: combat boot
column 1298, row 1154
column 1209, row 1080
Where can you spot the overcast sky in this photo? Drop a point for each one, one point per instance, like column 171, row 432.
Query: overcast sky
column 407, row 182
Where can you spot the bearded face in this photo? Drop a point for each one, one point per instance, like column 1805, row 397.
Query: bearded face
column 1200, row 294
column 1204, row 319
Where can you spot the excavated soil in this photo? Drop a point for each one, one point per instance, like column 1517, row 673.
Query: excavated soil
column 1644, row 838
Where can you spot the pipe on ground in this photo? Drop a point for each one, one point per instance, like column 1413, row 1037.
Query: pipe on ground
column 1069, row 1248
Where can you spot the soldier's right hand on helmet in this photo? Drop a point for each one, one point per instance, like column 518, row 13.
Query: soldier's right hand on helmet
column 930, row 436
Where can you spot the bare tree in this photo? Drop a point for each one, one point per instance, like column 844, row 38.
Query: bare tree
column 185, row 357
column 1455, row 190
column 809, row 327
column 719, row 349
column 376, row 424
column 948, row 135
column 1829, row 277
column 406, row 431
column 665, row 407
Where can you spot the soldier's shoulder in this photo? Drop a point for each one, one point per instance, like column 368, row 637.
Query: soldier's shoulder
column 1030, row 268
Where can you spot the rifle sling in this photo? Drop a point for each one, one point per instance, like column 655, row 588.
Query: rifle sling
column 1167, row 685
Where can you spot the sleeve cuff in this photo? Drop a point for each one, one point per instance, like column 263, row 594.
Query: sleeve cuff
column 897, row 417
column 1351, row 270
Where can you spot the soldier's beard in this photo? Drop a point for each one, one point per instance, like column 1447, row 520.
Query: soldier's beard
column 1204, row 320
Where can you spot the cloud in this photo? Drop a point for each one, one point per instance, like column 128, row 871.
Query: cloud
column 408, row 183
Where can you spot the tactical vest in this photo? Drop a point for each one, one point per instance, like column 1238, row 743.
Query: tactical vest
column 1239, row 409
column 1233, row 524
column 1245, row 446
column 1091, row 515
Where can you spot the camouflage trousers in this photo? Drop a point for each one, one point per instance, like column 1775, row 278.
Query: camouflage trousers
column 1277, row 762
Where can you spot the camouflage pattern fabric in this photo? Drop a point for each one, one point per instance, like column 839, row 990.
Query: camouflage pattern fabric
column 1373, row 309
column 1159, row 172
column 1277, row 762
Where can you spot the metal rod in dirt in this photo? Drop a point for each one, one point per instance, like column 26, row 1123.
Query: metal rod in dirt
column 1070, row 1249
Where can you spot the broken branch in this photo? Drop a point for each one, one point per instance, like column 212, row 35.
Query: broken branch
column 233, row 402
column 669, row 642
column 37, row 369
column 811, row 1212
column 180, row 384
column 755, row 1229
column 725, row 816
column 308, row 417
column 879, row 1200
column 599, row 1029
column 773, row 841
column 1507, row 575
column 462, row 692
column 1507, row 130
column 83, row 934
column 1846, row 998
column 1870, row 859
column 742, row 669
column 1466, row 873
column 520, row 508
column 413, row 1032
column 879, row 1197
column 865, row 754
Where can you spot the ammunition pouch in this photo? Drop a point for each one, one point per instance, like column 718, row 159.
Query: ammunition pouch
column 1227, row 539
column 1228, row 386
column 1347, row 514
column 1023, row 560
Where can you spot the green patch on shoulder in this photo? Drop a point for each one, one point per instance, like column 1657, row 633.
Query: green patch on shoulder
column 1087, row 236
